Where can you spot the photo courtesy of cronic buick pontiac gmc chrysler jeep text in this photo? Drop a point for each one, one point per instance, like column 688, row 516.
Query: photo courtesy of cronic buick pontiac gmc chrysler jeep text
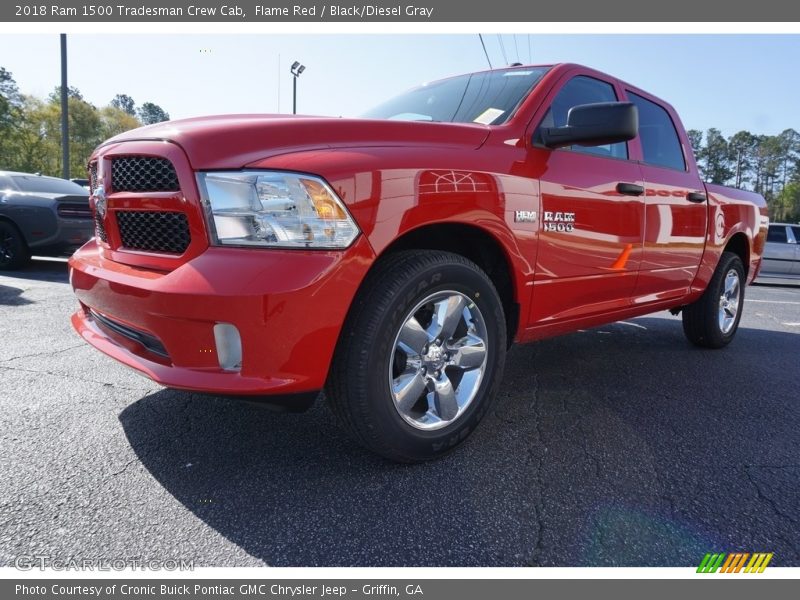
column 392, row 260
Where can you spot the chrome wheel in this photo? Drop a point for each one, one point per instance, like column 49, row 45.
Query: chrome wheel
column 439, row 360
column 729, row 301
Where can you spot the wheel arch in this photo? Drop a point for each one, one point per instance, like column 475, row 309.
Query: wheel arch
column 739, row 244
column 10, row 221
column 476, row 244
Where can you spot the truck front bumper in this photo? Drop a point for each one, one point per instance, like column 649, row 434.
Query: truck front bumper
column 280, row 310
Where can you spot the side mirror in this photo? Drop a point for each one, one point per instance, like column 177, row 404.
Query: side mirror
column 594, row 125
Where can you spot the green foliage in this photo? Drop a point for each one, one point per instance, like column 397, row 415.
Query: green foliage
column 72, row 92
column 125, row 103
column 150, row 113
column 696, row 140
column 30, row 128
column 787, row 204
column 716, row 157
column 767, row 164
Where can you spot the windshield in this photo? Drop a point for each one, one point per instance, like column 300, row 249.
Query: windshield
column 490, row 98
column 47, row 185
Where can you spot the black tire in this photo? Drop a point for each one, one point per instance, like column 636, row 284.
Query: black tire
column 701, row 319
column 14, row 253
column 358, row 387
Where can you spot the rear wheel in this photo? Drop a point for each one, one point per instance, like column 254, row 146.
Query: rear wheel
column 712, row 321
column 14, row 252
column 421, row 356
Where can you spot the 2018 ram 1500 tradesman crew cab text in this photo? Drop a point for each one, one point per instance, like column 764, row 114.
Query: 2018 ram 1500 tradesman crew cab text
column 391, row 260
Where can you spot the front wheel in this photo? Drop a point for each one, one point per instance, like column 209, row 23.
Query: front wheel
column 421, row 355
column 712, row 321
column 14, row 252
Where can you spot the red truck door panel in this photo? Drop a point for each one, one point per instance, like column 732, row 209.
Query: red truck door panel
column 675, row 207
column 590, row 233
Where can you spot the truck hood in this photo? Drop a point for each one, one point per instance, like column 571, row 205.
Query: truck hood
column 234, row 141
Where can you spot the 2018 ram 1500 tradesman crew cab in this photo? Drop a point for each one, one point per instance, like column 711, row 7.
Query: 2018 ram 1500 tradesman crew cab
column 392, row 260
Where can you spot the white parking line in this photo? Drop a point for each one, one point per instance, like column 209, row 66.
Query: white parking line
column 771, row 301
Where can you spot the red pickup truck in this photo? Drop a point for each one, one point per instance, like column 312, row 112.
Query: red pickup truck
column 392, row 260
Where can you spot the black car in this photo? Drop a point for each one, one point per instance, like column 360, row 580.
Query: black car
column 41, row 215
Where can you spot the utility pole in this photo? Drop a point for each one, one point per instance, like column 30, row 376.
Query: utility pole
column 64, row 110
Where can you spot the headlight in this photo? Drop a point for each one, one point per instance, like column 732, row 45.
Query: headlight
column 274, row 209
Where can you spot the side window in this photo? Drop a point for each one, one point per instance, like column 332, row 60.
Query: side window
column 660, row 143
column 796, row 232
column 777, row 233
column 583, row 90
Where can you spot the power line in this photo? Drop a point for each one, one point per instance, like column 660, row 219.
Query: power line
column 502, row 48
column 516, row 48
column 530, row 56
column 485, row 52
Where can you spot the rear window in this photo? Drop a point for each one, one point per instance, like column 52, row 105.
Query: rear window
column 489, row 98
column 661, row 145
column 47, row 185
column 777, row 233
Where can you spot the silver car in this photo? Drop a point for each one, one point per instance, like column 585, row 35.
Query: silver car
column 782, row 252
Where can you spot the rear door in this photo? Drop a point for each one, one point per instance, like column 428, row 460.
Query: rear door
column 590, row 232
column 794, row 230
column 780, row 252
column 676, row 206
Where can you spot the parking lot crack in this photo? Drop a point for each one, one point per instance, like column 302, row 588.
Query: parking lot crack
column 70, row 377
column 764, row 497
column 45, row 353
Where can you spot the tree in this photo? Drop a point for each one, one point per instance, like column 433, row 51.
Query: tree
column 150, row 113
column 790, row 146
column 696, row 140
column 125, row 103
column 716, row 158
column 9, row 92
column 115, row 121
column 788, row 203
column 72, row 92
column 742, row 146
column 10, row 114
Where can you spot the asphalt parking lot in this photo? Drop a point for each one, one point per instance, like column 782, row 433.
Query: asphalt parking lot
column 622, row 445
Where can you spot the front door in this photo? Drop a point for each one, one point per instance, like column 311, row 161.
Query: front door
column 592, row 216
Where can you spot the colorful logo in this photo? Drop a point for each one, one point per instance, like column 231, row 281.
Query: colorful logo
column 735, row 562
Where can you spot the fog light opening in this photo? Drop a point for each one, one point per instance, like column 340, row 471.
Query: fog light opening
column 229, row 346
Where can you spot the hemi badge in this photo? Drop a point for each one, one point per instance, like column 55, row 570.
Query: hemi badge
column 525, row 216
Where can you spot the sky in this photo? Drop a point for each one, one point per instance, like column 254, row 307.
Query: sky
column 727, row 81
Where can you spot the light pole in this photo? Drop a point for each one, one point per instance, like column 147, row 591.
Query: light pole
column 64, row 110
column 296, row 70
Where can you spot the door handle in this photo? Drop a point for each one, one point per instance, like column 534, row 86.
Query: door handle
column 696, row 197
column 630, row 189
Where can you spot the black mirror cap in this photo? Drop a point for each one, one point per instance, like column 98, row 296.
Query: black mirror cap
column 595, row 125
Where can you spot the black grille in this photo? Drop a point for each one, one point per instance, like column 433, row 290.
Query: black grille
column 74, row 210
column 92, row 176
column 100, row 228
column 150, row 342
column 154, row 231
column 143, row 174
